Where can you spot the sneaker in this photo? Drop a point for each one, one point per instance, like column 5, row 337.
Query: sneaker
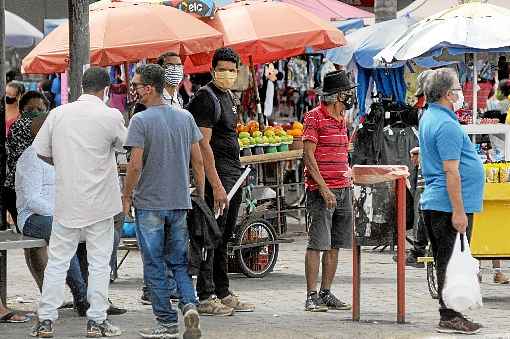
column 115, row 310
column 332, row 302
column 501, row 278
column 104, row 329
column 458, row 324
column 146, row 297
column 314, row 303
column 43, row 329
column 213, row 306
column 161, row 332
column 233, row 301
column 191, row 322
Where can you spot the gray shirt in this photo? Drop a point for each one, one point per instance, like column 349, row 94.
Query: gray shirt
column 166, row 134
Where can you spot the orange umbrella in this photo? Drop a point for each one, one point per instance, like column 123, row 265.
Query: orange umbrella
column 121, row 32
column 268, row 31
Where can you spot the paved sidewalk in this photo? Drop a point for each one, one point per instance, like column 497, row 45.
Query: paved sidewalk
column 280, row 300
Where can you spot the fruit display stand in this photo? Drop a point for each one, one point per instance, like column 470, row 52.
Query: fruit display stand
column 255, row 246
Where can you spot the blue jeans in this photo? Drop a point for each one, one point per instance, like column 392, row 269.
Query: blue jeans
column 163, row 240
column 39, row 226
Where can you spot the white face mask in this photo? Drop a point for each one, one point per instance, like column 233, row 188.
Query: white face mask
column 459, row 104
column 174, row 75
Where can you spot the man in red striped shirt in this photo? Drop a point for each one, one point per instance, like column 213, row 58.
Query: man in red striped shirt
column 328, row 189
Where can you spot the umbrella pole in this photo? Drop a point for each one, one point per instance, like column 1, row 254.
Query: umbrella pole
column 126, row 75
column 475, row 91
column 258, row 114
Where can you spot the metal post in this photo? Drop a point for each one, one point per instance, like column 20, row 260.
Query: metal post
column 258, row 114
column 3, row 216
column 401, row 243
column 475, row 91
column 3, row 277
column 79, row 44
column 356, row 269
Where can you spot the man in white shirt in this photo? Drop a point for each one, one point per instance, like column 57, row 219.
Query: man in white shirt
column 80, row 140
column 174, row 72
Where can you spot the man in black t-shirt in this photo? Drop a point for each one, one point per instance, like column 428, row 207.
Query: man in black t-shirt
column 215, row 113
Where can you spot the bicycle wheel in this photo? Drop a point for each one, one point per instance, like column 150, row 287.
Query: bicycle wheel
column 431, row 276
column 256, row 261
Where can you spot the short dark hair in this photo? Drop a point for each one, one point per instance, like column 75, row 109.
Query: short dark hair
column 95, row 79
column 504, row 87
column 153, row 75
column 25, row 99
column 225, row 54
column 161, row 59
column 20, row 88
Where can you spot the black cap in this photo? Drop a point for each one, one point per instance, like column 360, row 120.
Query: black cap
column 335, row 82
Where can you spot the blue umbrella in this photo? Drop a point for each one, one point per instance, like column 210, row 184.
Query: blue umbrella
column 363, row 44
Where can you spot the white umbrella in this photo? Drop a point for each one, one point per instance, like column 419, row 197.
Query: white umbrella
column 421, row 9
column 467, row 28
column 19, row 33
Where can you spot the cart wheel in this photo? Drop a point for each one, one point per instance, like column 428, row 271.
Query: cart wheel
column 431, row 276
column 258, row 261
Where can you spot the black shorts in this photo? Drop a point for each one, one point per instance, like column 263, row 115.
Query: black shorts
column 329, row 228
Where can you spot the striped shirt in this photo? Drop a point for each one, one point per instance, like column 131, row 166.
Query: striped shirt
column 331, row 155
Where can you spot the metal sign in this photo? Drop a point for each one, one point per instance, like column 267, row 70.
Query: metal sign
column 205, row 8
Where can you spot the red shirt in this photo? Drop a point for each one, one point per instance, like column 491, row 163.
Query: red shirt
column 331, row 153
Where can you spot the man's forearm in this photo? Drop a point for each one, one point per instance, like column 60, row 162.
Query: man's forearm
column 453, row 186
column 313, row 168
column 210, row 166
column 132, row 177
column 199, row 174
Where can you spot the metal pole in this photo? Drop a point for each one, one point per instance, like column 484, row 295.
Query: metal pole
column 401, row 249
column 356, row 276
column 258, row 114
column 79, row 44
column 475, row 88
column 3, row 156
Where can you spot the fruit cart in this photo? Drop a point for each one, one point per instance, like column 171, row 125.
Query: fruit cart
column 267, row 201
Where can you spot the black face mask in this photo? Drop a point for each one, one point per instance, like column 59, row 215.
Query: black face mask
column 10, row 100
column 348, row 100
column 32, row 114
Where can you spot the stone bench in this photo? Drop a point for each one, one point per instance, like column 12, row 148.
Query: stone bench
column 11, row 241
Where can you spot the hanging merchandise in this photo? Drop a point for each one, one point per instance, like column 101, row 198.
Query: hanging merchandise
column 297, row 76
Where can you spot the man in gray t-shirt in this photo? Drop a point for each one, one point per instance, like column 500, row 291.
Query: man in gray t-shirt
column 163, row 140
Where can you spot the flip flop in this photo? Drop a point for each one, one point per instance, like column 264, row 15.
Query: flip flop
column 8, row 318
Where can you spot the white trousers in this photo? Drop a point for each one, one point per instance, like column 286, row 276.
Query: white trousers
column 63, row 244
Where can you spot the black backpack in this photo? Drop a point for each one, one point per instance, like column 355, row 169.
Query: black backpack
column 214, row 97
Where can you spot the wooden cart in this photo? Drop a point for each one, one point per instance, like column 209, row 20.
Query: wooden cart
column 262, row 222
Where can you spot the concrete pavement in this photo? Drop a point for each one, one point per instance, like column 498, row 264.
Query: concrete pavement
column 280, row 301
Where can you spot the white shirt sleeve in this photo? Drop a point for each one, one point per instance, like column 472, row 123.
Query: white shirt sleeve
column 29, row 185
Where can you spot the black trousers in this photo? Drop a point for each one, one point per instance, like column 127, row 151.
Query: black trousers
column 442, row 237
column 213, row 276
column 9, row 203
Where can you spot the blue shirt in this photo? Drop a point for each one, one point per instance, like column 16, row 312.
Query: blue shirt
column 443, row 138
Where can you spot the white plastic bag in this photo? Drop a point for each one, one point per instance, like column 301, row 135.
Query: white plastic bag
column 461, row 289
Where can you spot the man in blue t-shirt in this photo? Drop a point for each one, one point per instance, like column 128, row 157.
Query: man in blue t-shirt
column 454, row 181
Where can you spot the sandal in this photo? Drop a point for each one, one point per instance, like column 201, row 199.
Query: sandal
column 10, row 317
